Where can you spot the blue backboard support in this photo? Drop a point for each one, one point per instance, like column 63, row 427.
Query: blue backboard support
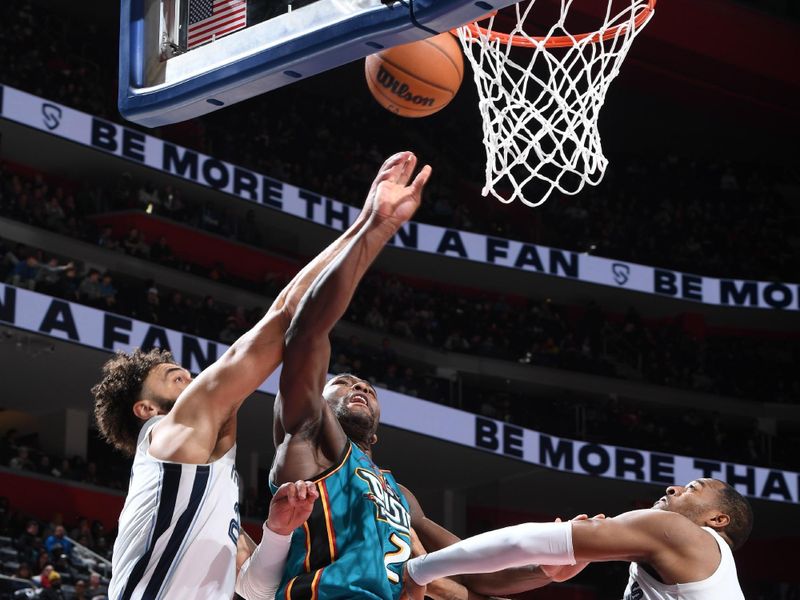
column 156, row 89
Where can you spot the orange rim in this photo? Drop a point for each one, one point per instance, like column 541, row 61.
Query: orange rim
column 560, row 41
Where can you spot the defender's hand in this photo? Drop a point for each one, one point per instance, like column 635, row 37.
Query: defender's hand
column 291, row 506
column 559, row 573
column 392, row 199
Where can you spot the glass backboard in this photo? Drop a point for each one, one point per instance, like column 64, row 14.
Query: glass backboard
column 181, row 59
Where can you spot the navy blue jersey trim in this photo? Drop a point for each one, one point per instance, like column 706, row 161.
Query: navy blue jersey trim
column 168, row 494
column 156, row 582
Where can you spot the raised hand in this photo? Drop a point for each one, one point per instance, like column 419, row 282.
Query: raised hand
column 391, row 198
column 291, row 506
column 559, row 573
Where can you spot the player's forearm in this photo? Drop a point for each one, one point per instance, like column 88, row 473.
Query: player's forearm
column 264, row 342
column 291, row 295
column 329, row 296
column 448, row 589
column 518, row 546
column 260, row 575
column 508, row 581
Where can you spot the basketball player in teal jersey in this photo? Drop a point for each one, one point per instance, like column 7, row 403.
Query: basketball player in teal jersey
column 358, row 537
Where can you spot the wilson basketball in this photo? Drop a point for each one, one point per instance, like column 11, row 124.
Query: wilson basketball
column 419, row 79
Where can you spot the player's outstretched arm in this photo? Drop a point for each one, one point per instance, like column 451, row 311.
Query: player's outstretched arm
column 645, row 535
column 440, row 589
column 259, row 575
column 191, row 430
column 511, row 580
column 307, row 350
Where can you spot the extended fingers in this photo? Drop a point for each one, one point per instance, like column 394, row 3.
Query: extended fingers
column 392, row 168
column 406, row 168
column 421, row 179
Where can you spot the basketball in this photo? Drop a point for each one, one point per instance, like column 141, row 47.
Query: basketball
column 419, row 79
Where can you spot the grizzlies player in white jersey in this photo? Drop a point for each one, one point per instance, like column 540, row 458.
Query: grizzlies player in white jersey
column 681, row 549
column 178, row 530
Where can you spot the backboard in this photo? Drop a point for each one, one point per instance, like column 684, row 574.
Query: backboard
column 181, row 59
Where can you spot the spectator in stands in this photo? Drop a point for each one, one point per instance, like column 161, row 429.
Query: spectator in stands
column 22, row 460
column 210, row 321
column 44, row 576
column 89, row 290
column 107, row 239
column 83, row 530
column 44, row 467
column 108, row 293
column 80, row 590
column 29, row 544
column 57, row 543
column 148, row 197
column 23, row 571
column 54, row 215
column 150, row 309
column 230, row 332
column 90, row 476
column 68, row 284
column 53, row 591
column 161, row 252
column 175, row 312
column 134, row 244
column 66, row 471
column 96, row 587
column 49, row 275
column 172, row 203
column 24, row 273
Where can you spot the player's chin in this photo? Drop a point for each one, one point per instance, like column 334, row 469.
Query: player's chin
column 356, row 423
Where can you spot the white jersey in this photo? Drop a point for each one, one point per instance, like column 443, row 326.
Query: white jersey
column 723, row 584
column 178, row 529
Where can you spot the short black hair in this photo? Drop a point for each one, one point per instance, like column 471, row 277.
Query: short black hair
column 736, row 506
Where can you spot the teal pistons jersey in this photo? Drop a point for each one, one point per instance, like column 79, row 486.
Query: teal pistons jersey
column 357, row 539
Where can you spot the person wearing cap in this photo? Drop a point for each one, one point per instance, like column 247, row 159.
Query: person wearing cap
column 54, row 591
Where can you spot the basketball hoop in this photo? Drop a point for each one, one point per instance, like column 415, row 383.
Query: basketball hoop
column 540, row 111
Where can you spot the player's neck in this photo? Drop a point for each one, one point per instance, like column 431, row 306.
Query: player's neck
column 365, row 447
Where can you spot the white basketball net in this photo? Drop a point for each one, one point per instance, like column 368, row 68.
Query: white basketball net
column 540, row 114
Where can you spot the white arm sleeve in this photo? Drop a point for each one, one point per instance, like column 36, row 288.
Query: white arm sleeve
column 260, row 575
column 517, row 546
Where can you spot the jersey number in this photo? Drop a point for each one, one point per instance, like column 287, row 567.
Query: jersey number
column 398, row 556
column 233, row 527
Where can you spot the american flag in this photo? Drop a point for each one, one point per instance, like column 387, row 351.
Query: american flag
column 211, row 19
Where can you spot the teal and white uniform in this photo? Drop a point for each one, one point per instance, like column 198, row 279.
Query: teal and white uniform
column 357, row 539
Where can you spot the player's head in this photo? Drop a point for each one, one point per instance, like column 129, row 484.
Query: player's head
column 135, row 387
column 355, row 404
column 711, row 503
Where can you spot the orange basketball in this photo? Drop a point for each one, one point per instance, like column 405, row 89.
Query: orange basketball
column 419, row 79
